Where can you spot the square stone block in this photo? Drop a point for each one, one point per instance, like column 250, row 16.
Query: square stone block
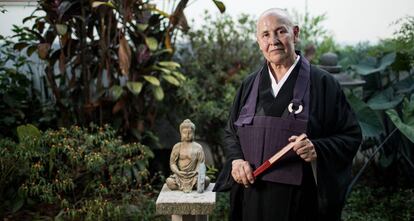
column 179, row 203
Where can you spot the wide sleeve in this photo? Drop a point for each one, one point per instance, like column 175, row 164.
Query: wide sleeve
column 232, row 148
column 336, row 135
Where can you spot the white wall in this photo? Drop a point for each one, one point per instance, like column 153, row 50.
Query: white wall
column 16, row 11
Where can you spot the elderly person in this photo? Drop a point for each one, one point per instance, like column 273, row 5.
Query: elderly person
column 285, row 98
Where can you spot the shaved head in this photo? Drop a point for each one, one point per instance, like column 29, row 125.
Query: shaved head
column 276, row 36
column 281, row 14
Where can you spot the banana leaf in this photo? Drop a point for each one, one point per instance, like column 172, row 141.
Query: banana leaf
column 369, row 67
column 385, row 99
column 406, row 123
column 368, row 119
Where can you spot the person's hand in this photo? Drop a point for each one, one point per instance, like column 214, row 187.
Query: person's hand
column 191, row 173
column 242, row 172
column 304, row 148
column 181, row 173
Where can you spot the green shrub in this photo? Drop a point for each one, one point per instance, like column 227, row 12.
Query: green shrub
column 380, row 204
column 20, row 102
column 222, row 210
column 76, row 174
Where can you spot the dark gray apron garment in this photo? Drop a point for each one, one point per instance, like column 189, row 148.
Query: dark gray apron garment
column 260, row 138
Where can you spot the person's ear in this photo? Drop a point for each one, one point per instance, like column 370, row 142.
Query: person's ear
column 295, row 34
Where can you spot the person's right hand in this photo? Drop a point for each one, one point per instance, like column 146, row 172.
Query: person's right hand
column 242, row 172
column 181, row 173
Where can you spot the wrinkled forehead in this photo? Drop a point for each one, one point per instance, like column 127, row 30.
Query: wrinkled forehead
column 272, row 20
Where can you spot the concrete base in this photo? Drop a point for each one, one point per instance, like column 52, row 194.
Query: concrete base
column 186, row 206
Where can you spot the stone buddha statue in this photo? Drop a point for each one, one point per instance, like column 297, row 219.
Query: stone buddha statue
column 185, row 159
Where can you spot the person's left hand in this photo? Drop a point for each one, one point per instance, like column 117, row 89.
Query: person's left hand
column 191, row 173
column 304, row 148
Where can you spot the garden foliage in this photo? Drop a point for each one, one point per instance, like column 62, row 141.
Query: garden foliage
column 379, row 204
column 215, row 58
column 20, row 101
column 74, row 174
column 385, row 108
column 105, row 61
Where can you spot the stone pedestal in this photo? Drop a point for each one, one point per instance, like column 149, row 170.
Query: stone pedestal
column 186, row 206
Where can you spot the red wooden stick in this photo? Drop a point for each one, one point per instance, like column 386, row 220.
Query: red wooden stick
column 277, row 156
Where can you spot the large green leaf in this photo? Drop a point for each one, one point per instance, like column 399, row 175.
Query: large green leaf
column 153, row 80
column 152, row 43
column 370, row 61
column 408, row 111
column 157, row 68
column 158, row 93
column 406, row 129
column 171, row 80
column 161, row 12
column 368, row 120
column 116, row 91
column 134, row 87
column 31, row 50
column 169, row 64
column 20, row 45
column 385, row 100
column 99, row 3
column 220, row 5
column 405, row 86
column 179, row 75
column 142, row 27
column 369, row 67
column 27, row 131
column 61, row 29
column 406, row 124
column 387, row 60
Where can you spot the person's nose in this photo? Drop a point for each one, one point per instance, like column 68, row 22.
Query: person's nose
column 274, row 39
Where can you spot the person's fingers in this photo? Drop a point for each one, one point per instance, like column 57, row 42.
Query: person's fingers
column 235, row 173
column 235, row 170
column 310, row 156
column 302, row 144
column 303, row 150
column 243, row 175
column 292, row 138
column 307, row 152
column 242, row 172
column 299, row 145
column 249, row 172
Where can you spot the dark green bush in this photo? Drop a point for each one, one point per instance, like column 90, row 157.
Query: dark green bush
column 379, row 204
column 19, row 100
column 76, row 174
column 222, row 210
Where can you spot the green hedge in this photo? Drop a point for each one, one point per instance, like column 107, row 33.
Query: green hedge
column 75, row 174
column 379, row 204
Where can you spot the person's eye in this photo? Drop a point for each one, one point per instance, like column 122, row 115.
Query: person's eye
column 282, row 31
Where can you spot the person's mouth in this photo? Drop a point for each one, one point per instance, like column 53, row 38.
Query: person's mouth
column 277, row 49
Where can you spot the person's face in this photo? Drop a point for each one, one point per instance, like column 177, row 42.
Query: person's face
column 187, row 134
column 276, row 39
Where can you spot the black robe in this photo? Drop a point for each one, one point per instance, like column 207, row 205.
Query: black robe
column 332, row 128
